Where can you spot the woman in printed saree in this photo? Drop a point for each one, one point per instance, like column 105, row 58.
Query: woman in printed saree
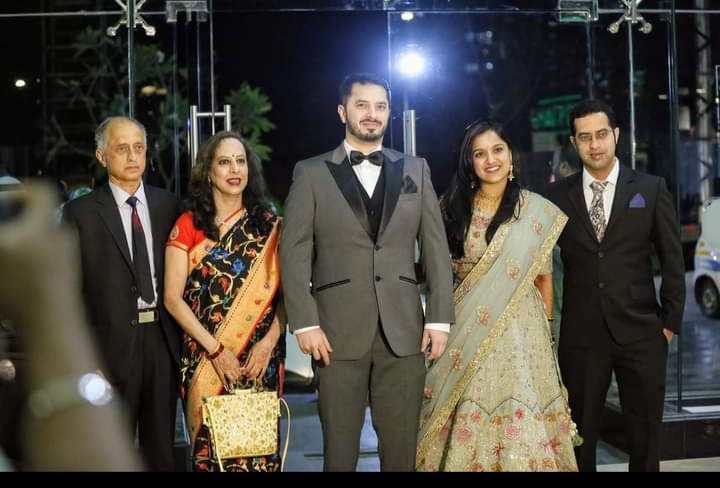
column 222, row 284
column 494, row 401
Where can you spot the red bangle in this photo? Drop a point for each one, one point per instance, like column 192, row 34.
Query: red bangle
column 217, row 352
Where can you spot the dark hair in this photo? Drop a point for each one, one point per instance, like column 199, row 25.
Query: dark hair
column 200, row 197
column 457, row 202
column 591, row 106
column 345, row 87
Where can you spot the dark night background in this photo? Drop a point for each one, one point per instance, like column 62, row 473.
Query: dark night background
column 298, row 58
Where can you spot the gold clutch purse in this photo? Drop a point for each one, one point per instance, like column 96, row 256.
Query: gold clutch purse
column 244, row 423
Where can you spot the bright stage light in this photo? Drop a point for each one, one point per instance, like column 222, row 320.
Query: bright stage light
column 411, row 64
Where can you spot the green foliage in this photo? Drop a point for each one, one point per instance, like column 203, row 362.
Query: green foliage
column 98, row 89
column 249, row 109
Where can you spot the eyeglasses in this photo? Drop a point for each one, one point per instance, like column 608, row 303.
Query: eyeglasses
column 600, row 136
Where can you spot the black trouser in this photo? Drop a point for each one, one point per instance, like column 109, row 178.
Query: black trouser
column 640, row 373
column 150, row 393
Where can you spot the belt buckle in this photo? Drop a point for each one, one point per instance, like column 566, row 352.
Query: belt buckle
column 146, row 316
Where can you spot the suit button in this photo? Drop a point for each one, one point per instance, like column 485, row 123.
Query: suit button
column 377, row 278
column 601, row 285
column 372, row 212
column 377, row 247
column 133, row 289
column 133, row 322
column 601, row 254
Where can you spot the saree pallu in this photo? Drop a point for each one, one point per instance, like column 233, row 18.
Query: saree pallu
column 493, row 401
column 234, row 292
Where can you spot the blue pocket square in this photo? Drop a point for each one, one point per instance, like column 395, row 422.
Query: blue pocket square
column 637, row 201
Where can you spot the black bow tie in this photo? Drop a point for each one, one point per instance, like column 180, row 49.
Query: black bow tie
column 376, row 158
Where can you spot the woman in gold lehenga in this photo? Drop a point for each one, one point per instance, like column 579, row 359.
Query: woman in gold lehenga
column 494, row 401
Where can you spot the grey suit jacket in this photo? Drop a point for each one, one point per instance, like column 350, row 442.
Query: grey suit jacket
column 326, row 242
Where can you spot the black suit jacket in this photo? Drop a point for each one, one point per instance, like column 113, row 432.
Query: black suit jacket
column 109, row 290
column 612, row 281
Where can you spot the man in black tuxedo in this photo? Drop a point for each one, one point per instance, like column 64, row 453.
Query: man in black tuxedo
column 611, row 319
column 122, row 228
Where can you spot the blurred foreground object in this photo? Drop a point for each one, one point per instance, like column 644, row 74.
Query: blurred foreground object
column 73, row 425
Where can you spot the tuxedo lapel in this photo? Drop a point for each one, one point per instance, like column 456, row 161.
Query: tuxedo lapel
column 393, row 170
column 111, row 218
column 623, row 191
column 344, row 176
column 575, row 193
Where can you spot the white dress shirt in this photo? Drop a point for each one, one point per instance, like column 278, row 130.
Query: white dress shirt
column 366, row 172
column 125, row 210
column 608, row 194
column 368, row 175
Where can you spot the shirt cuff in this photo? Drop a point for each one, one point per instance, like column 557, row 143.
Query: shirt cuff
column 436, row 326
column 306, row 329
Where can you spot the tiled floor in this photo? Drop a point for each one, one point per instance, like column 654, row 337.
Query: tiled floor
column 305, row 450
column 677, row 465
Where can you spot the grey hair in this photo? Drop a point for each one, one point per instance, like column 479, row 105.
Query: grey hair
column 102, row 128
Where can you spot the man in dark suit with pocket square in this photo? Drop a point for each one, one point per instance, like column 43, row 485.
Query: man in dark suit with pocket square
column 347, row 254
column 611, row 318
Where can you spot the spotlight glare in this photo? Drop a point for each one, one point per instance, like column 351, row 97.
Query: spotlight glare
column 20, row 83
column 411, row 64
column 407, row 16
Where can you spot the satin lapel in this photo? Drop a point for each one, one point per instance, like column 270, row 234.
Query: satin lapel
column 344, row 176
column 575, row 193
column 111, row 217
column 623, row 192
column 393, row 182
column 155, row 222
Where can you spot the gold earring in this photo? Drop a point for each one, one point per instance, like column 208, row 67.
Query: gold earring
column 511, row 176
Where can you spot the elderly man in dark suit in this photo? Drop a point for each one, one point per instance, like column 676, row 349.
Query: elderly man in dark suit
column 611, row 319
column 122, row 228
column 352, row 219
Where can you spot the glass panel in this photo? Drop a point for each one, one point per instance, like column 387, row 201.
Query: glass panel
column 647, row 54
column 75, row 76
column 513, row 60
column 698, row 182
column 478, row 66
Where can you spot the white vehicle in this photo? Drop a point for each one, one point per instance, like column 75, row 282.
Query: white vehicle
column 707, row 260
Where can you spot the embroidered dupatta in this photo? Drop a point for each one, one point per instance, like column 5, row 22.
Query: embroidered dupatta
column 484, row 303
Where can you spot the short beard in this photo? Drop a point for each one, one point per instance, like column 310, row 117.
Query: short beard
column 369, row 137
